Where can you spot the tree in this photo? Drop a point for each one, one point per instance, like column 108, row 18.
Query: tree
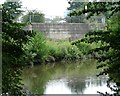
column 109, row 51
column 96, row 8
column 75, row 6
column 13, row 38
column 34, row 16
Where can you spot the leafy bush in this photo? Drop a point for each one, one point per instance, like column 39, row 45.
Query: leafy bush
column 13, row 37
column 84, row 47
column 69, row 52
column 53, row 50
column 40, row 50
column 63, row 50
column 36, row 49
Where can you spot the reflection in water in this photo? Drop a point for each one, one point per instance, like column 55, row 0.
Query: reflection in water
column 64, row 78
column 88, row 86
column 57, row 87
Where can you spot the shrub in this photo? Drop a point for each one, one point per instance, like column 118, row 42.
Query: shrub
column 69, row 52
column 63, row 50
column 40, row 50
column 84, row 47
column 36, row 50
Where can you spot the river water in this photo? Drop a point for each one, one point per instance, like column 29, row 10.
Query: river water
column 77, row 77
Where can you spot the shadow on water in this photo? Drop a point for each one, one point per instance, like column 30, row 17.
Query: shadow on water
column 63, row 78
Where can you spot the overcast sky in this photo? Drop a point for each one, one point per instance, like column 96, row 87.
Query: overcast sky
column 48, row 7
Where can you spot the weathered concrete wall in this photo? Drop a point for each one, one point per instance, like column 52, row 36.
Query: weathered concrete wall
column 62, row 30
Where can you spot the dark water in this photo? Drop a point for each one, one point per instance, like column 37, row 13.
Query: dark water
column 65, row 78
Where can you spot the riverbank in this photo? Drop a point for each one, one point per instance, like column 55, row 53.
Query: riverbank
column 41, row 50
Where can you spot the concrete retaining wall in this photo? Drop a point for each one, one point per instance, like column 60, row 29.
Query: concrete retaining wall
column 62, row 30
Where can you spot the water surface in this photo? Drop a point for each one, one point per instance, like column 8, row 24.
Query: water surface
column 65, row 78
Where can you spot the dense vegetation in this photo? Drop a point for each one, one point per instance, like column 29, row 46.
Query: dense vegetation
column 13, row 38
column 22, row 47
column 109, row 51
column 75, row 6
column 41, row 50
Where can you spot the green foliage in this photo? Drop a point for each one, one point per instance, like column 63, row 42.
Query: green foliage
column 13, row 37
column 96, row 8
column 53, row 49
column 36, row 49
column 109, row 51
column 75, row 6
column 83, row 47
column 63, row 50
column 69, row 52
column 39, row 50
column 34, row 16
column 73, row 53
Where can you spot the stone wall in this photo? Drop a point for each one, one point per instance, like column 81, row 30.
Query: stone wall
column 62, row 30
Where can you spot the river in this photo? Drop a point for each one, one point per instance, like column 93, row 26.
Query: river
column 78, row 77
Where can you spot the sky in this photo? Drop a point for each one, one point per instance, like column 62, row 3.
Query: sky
column 50, row 8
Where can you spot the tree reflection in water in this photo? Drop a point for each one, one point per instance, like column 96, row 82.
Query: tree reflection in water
column 78, row 85
column 74, row 77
